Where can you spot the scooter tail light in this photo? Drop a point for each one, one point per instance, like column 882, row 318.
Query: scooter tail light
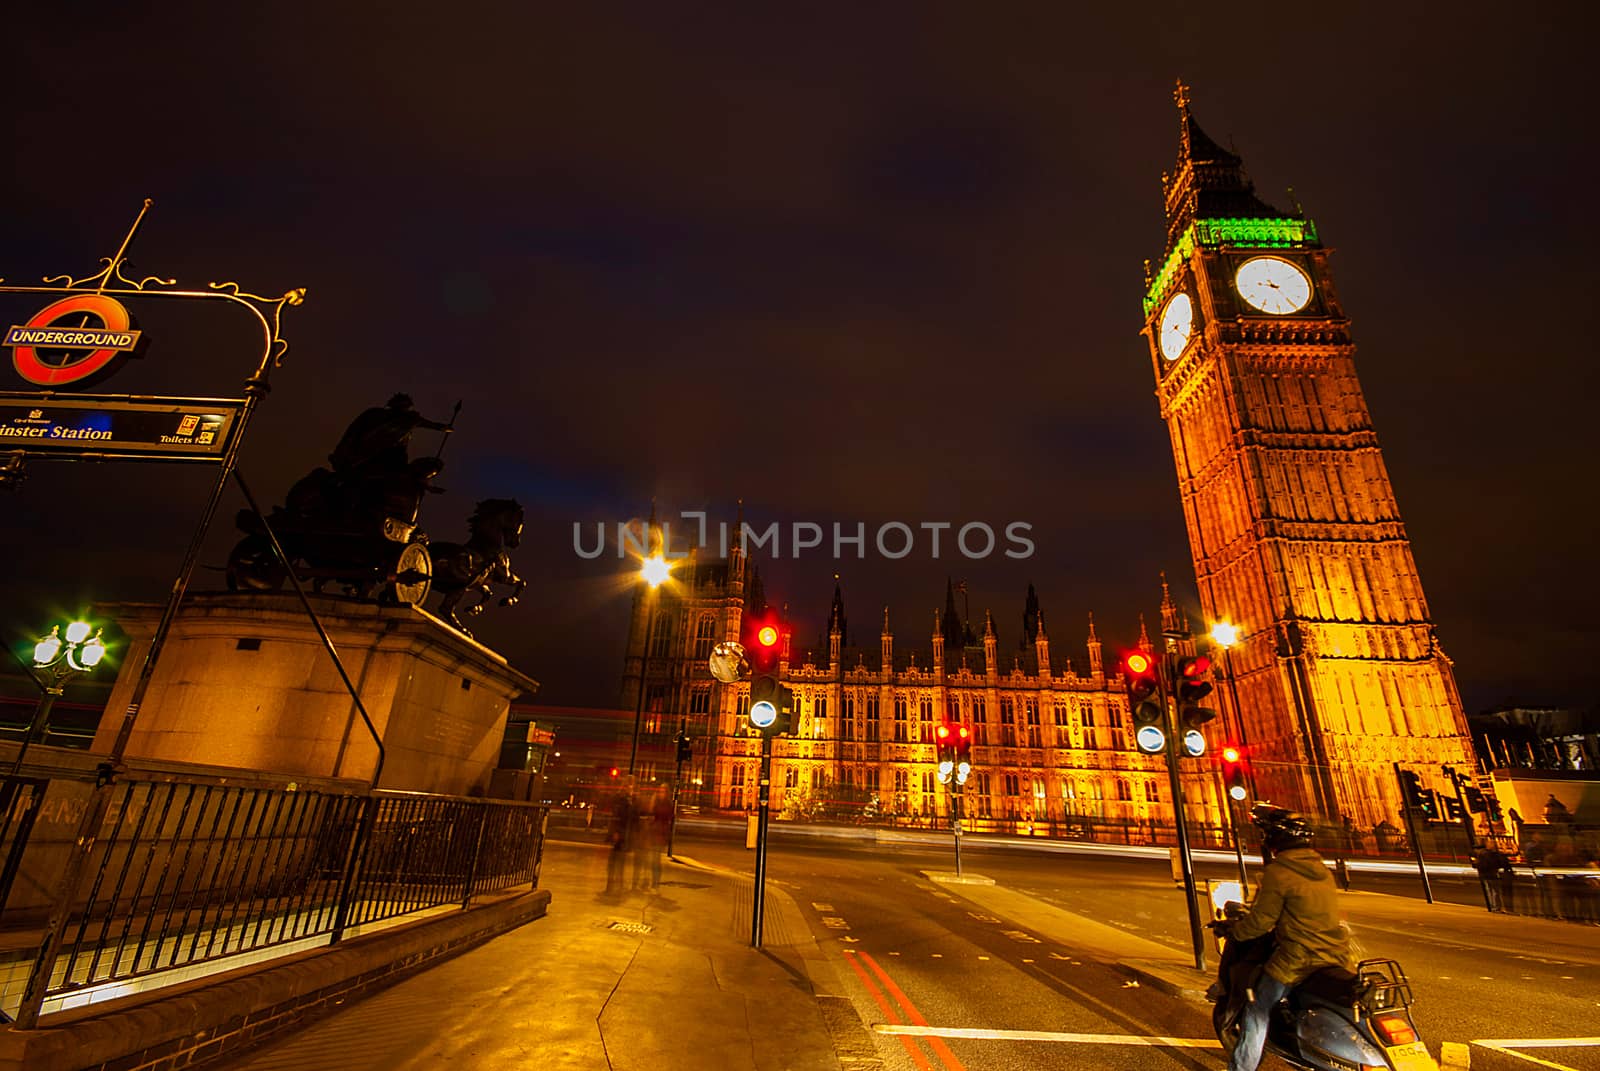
column 1395, row 1029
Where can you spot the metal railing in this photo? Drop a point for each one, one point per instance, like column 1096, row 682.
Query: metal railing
column 20, row 798
column 187, row 871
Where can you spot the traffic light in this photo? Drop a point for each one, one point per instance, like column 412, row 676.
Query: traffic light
column 1428, row 804
column 1491, row 804
column 1411, row 788
column 1475, row 800
column 1233, row 772
column 1418, row 798
column 685, row 752
column 945, row 752
column 1452, row 808
column 771, row 704
column 1144, row 700
column 961, row 751
column 1194, row 684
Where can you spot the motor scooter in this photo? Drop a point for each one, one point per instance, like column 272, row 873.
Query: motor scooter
column 1335, row 1020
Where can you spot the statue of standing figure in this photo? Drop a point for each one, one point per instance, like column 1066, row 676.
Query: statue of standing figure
column 375, row 444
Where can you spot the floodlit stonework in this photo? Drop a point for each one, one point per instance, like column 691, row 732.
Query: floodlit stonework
column 1295, row 533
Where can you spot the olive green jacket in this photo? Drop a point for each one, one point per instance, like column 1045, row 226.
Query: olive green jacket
column 1297, row 902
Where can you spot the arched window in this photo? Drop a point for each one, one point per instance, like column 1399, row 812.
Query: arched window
column 705, row 635
column 661, row 635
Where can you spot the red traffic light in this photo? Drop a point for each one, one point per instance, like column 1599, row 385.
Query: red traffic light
column 1196, row 667
column 1137, row 662
column 767, row 636
column 613, row 771
column 1233, row 775
column 943, row 733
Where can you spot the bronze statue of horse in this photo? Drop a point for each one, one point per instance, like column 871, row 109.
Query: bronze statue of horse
column 482, row 561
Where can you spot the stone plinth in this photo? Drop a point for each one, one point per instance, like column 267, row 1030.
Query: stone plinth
column 244, row 681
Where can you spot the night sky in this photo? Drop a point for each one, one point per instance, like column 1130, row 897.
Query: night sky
column 860, row 263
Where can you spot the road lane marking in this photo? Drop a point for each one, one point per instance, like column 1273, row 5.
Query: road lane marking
column 889, row 1013
column 1509, row 1047
column 937, row 1044
column 977, row 1034
column 826, row 909
column 833, row 922
column 1514, row 1054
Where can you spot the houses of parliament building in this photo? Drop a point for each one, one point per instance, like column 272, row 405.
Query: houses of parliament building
column 1295, row 536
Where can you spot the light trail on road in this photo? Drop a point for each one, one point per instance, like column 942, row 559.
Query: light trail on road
column 980, row 1034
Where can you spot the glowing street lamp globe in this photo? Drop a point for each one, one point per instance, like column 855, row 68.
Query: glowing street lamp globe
column 1224, row 634
column 47, row 649
column 656, row 570
column 90, row 654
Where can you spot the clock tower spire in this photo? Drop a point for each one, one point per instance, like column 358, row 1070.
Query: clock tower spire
column 1293, row 527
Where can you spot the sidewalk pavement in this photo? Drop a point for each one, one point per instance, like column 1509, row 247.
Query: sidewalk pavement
column 658, row 979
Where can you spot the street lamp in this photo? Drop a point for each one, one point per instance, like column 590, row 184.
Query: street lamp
column 654, row 572
column 60, row 659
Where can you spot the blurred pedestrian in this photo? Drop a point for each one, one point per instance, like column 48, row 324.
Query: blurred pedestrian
column 639, row 839
column 1492, row 865
column 621, row 836
column 662, row 818
column 1570, row 888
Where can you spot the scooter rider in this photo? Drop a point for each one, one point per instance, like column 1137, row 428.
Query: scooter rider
column 1298, row 904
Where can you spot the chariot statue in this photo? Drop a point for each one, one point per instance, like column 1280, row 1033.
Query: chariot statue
column 354, row 524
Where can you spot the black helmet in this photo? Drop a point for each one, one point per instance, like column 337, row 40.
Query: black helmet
column 1280, row 827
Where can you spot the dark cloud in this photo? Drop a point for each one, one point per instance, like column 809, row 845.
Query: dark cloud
column 848, row 265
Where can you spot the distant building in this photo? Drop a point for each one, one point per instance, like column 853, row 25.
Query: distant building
column 1540, row 738
column 587, row 750
column 1053, row 744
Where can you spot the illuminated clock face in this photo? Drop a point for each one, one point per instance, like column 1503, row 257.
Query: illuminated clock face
column 1177, row 326
column 1273, row 285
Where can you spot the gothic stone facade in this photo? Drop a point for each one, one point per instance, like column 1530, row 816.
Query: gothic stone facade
column 1293, row 525
column 1051, row 745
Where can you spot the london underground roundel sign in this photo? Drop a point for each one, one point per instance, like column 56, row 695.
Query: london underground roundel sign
column 64, row 327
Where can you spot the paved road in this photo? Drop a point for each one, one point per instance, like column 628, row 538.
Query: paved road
column 920, row 956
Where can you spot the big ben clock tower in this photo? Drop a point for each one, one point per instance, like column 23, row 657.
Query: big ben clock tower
column 1293, row 526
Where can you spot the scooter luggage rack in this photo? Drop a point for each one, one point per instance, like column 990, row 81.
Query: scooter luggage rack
column 1383, row 986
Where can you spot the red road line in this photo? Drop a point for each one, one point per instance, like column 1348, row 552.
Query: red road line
column 937, row 1044
column 888, row 1013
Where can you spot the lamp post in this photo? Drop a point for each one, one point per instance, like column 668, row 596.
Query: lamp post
column 654, row 573
column 60, row 659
